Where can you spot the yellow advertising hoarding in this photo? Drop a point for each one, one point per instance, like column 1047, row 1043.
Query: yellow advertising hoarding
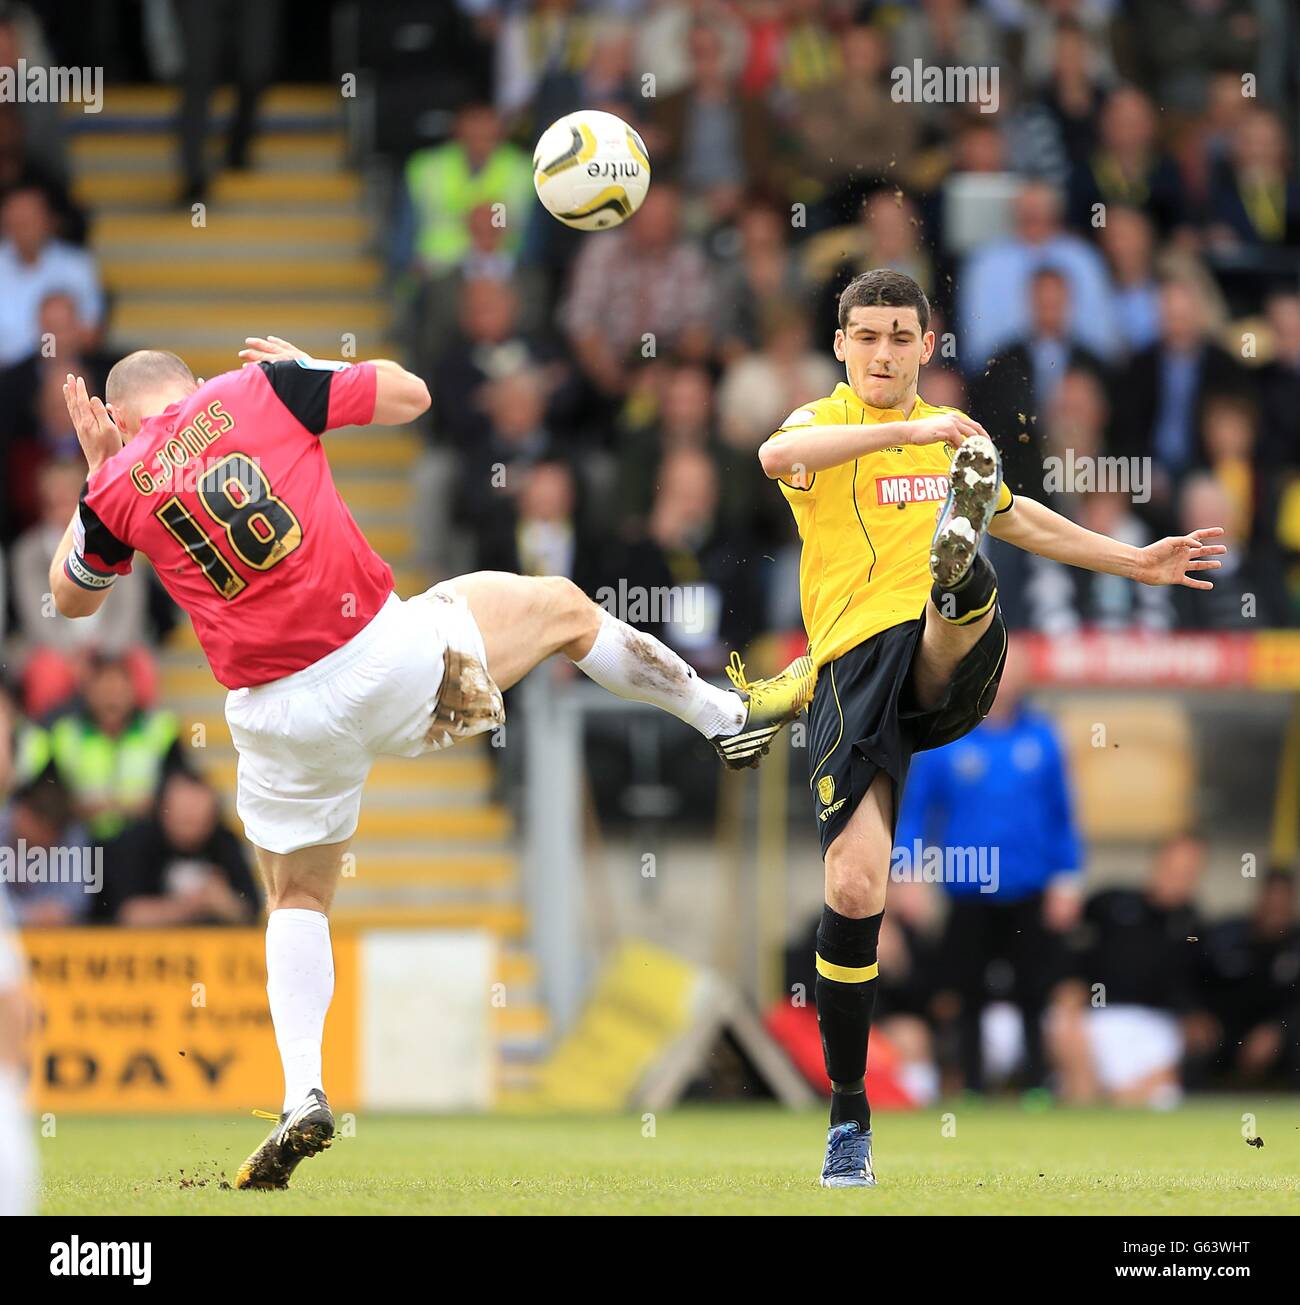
column 170, row 1020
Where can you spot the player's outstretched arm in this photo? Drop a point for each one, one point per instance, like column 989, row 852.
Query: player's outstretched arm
column 1037, row 529
column 400, row 396
column 814, row 448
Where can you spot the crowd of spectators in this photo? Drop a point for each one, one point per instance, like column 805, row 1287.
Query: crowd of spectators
column 1002, row 966
column 1112, row 250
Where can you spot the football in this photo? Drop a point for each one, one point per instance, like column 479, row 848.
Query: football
column 591, row 170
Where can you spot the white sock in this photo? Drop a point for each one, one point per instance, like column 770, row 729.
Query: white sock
column 299, row 986
column 17, row 1150
column 638, row 667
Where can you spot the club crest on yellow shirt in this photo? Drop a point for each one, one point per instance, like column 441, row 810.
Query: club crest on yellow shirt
column 826, row 789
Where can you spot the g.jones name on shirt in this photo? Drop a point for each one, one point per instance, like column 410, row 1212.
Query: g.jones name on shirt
column 188, row 443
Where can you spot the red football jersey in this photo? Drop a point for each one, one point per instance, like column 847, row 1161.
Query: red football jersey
column 229, row 495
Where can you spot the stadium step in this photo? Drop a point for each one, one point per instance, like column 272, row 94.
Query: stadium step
column 302, row 234
column 246, row 190
column 237, row 273
column 174, row 317
column 129, row 108
column 101, row 151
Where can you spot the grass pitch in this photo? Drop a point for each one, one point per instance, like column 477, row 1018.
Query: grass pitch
column 702, row 1160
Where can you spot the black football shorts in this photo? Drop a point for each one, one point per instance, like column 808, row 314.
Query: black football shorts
column 864, row 718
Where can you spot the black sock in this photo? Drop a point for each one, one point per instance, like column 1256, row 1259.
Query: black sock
column 846, row 997
column 972, row 595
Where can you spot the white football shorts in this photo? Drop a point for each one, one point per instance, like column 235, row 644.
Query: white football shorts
column 413, row 681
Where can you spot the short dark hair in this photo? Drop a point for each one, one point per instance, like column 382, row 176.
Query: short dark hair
column 882, row 287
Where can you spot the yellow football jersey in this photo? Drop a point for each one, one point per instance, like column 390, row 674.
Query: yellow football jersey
column 866, row 527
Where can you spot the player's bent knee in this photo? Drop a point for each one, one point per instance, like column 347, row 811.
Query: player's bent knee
column 295, row 898
column 576, row 616
column 854, row 886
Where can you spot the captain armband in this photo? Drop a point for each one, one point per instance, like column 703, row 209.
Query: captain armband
column 75, row 565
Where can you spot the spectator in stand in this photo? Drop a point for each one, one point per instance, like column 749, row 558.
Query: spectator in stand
column 33, row 264
column 1279, row 443
column 762, row 279
column 760, row 388
column 715, row 142
column 851, row 135
column 34, row 422
column 1249, row 590
column 64, row 343
column 944, row 34
column 1062, row 601
column 1231, row 457
column 945, row 387
column 1070, row 88
column 682, row 417
column 1279, row 385
column 1117, row 1030
column 41, row 120
column 39, row 818
column 488, row 344
column 993, row 289
column 542, row 54
column 54, row 649
column 1255, row 200
column 1127, row 167
column 1127, row 241
column 1204, row 149
column 1160, row 394
column 182, row 865
column 708, row 571
column 888, row 235
column 517, row 437
column 640, row 291
column 1250, row 983
column 607, row 80
column 19, row 171
column 752, row 36
column 809, row 55
column 1173, row 57
column 446, row 183
column 110, row 753
column 544, row 533
column 208, row 30
column 489, row 258
column 1002, row 794
column 1011, row 397
column 966, row 190
column 754, row 397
